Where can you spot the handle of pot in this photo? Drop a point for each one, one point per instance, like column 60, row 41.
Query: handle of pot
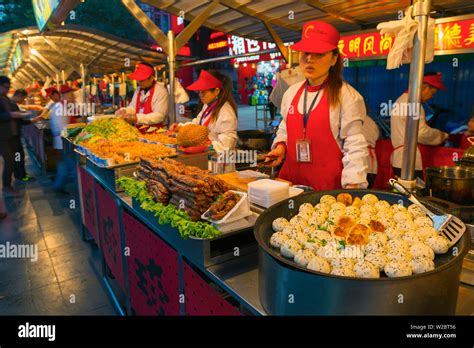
column 403, row 190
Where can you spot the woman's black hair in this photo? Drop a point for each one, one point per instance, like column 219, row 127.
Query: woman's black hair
column 225, row 94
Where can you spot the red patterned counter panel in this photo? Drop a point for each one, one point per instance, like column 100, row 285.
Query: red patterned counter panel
column 152, row 271
column 110, row 242
column 88, row 202
column 201, row 299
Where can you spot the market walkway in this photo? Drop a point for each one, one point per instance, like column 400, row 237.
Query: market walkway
column 64, row 280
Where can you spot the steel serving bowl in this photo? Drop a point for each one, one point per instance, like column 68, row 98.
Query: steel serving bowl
column 287, row 288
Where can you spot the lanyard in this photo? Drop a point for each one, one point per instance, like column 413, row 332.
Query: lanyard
column 207, row 112
column 307, row 113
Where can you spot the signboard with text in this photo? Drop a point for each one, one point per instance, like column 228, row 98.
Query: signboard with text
column 451, row 34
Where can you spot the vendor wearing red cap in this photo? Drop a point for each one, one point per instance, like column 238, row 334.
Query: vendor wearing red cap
column 149, row 105
column 219, row 112
column 426, row 135
column 320, row 138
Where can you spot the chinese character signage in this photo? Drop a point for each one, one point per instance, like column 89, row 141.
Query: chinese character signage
column 448, row 36
column 454, row 35
column 239, row 45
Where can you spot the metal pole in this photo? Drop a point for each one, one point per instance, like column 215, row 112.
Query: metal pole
column 290, row 57
column 83, row 90
column 421, row 10
column 172, row 70
column 113, row 90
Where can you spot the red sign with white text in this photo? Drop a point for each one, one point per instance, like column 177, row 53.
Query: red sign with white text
column 448, row 36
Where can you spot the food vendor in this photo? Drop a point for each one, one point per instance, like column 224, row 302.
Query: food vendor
column 320, row 137
column 149, row 105
column 426, row 135
column 219, row 112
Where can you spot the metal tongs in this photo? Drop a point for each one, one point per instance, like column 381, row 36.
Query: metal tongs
column 448, row 225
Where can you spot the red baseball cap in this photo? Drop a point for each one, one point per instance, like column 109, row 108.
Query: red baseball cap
column 142, row 72
column 435, row 81
column 50, row 91
column 317, row 37
column 206, row 81
column 66, row 89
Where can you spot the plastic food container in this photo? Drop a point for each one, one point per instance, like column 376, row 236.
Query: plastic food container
column 268, row 192
column 239, row 211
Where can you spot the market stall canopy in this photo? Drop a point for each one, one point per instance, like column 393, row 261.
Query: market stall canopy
column 66, row 48
column 248, row 18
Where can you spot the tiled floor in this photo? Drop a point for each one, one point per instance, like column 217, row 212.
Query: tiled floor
column 65, row 278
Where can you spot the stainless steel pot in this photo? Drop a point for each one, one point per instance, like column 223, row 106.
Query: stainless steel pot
column 454, row 184
column 286, row 288
column 254, row 140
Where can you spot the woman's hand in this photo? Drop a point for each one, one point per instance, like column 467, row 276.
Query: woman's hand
column 130, row 118
column 276, row 156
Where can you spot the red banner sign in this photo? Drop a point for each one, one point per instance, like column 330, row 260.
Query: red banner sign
column 448, row 36
column 456, row 34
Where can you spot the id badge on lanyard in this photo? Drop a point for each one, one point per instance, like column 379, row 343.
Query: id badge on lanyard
column 303, row 146
column 303, row 150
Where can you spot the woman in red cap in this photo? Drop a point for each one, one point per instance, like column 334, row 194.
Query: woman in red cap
column 219, row 112
column 426, row 135
column 149, row 105
column 320, row 136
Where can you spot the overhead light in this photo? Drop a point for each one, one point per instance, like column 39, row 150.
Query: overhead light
column 34, row 51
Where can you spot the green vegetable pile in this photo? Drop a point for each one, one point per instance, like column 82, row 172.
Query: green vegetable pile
column 114, row 129
column 167, row 214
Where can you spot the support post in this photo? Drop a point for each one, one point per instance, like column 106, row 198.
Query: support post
column 83, row 90
column 421, row 10
column 172, row 70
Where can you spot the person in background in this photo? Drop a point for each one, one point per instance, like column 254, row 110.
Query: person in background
column 149, row 105
column 17, row 99
column 7, row 133
column 371, row 133
column 58, row 120
column 54, row 96
column 219, row 113
column 426, row 135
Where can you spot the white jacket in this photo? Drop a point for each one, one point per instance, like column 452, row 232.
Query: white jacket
column 159, row 105
column 371, row 133
column 346, row 125
column 223, row 132
column 426, row 134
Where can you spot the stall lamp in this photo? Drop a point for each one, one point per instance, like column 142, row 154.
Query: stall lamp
column 245, row 65
column 34, row 51
column 253, row 66
column 236, row 65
